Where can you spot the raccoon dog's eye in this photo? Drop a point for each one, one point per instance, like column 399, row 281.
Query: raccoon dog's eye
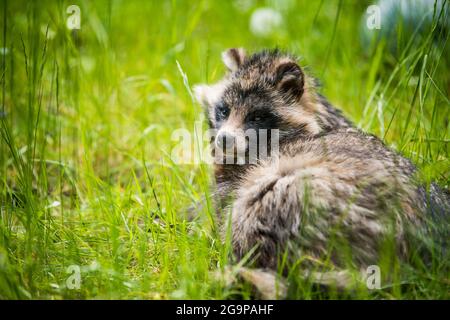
column 254, row 118
column 222, row 111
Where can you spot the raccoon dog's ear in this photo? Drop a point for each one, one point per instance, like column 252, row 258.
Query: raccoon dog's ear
column 290, row 79
column 201, row 94
column 208, row 95
column 233, row 58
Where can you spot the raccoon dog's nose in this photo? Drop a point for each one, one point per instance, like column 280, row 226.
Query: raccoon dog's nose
column 225, row 140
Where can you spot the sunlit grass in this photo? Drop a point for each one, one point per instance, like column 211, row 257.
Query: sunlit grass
column 86, row 123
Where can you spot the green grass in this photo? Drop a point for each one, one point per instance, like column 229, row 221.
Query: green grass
column 86, row 124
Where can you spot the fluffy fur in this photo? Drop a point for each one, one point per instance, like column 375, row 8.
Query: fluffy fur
column 330, row 182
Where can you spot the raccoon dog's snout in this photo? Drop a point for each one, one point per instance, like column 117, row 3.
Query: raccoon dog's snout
column 225, row 140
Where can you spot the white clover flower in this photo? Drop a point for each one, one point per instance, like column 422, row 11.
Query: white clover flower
column 265, row 21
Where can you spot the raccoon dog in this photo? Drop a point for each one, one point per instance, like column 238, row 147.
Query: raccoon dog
column 330, row 192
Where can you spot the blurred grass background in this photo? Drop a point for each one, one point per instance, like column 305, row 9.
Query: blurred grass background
column 87, row 117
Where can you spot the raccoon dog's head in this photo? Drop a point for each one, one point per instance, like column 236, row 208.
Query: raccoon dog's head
column 267, row 90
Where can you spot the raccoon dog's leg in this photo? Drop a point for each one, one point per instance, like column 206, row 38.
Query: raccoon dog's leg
column 266, row 215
